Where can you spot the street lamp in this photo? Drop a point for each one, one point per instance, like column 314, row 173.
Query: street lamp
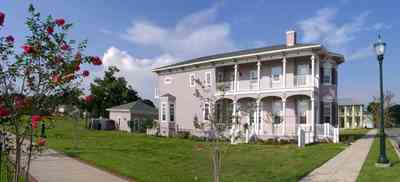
column 380, row 51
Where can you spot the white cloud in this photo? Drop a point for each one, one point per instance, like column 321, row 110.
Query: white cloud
column 194, row 35
column 137, row 71
column 322, row 27
column 361, row 53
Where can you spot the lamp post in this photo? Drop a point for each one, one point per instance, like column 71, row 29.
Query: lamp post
column 380, row 51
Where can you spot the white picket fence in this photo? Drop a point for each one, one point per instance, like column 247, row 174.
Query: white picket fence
column 322, row 131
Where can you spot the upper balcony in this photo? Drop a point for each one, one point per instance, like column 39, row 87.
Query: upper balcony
column 267, row 75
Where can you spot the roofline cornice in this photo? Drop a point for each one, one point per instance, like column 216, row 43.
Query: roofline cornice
column 239, row 56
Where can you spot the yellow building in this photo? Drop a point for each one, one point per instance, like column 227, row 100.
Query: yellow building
column 351, row 114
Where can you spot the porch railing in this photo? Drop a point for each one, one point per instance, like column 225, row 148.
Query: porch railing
column 302, row 81
column 225, row 86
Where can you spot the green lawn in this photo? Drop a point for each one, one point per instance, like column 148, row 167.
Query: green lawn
column 347, row 135
column 371, row 173
column 156, row 159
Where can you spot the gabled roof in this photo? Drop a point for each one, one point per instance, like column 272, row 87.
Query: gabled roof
column 135, row 107
column 282, row 47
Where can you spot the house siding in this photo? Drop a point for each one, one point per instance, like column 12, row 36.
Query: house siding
column 121, row 118
column 186, row 105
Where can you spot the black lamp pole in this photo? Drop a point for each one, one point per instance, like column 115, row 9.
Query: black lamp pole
column 380, row 49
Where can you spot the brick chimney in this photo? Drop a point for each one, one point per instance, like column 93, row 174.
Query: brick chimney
column 291, row 38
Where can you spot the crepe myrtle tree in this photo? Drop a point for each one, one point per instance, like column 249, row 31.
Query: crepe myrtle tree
column 45, row 65
column 219, row 120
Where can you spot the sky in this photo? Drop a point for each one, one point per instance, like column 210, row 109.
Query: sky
column 137, row 36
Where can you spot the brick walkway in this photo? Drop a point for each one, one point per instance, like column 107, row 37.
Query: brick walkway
column 54, row 167
column 346, row 166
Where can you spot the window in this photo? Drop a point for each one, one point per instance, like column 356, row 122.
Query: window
column 327, row 76
column 167, row 80
column 171, row 112
column 276, row 111
column 276, row 73
column 327, row 112
column 220, row 77
column 327, row 73
column 192, row 80
column 206, row 111
column 252, row 117
column 163, row 112
column 303, row 69
column 207, row 79
column 253, row 75
column 302, row 108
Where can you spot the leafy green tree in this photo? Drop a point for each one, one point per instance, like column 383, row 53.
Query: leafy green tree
column 395, row 114
column 110, row 91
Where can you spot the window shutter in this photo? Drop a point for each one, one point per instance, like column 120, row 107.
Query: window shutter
column 334, row 113
column 321, row 112
column 321, row 75
column 334, row 76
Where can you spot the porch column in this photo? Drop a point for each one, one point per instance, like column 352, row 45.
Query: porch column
column 313, row 123
column 346, row 124
column 317, row 61
column 258, row 74
column 312, row 71
column 234, row 112
column 284, row 72
column 258, row 117
column 353, row 116
column 235, row 85
column 362, row 116
column 284, row 115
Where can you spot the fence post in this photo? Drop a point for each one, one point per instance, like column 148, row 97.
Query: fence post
column 300, row 138
column 328, row 126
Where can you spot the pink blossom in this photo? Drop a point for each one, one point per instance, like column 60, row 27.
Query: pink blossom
column 2, row 17
column 60, row 22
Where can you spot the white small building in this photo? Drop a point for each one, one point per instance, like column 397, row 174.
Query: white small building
column 137, row 112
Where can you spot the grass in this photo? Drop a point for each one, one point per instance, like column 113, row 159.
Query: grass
column 7, row 169
column 349, row 135
column 371, row 173
column 157, row 159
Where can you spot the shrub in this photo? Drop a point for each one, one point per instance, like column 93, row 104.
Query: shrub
column 183, row 134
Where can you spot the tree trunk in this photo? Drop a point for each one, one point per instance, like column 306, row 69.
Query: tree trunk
column 29, row 156
column 216, row 163
column 17, row 159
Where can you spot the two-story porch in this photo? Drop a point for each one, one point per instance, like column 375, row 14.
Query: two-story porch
column 274, row 97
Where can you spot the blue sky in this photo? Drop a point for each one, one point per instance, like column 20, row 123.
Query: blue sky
column 139, row 35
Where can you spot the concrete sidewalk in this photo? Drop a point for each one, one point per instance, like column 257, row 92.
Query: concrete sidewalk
column 346, row 166
column 52, row 166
